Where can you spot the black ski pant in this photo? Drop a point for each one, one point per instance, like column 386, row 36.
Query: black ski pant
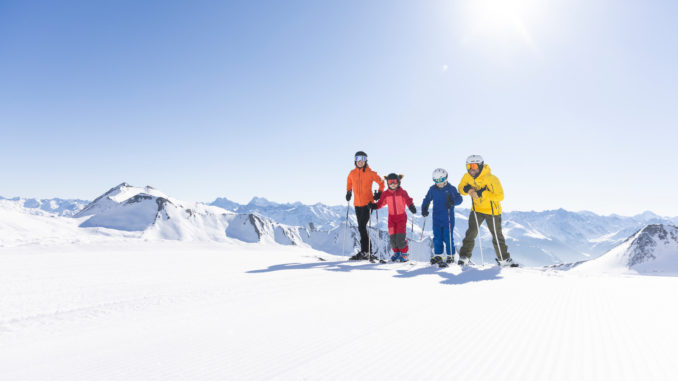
column 494, row 224
column 362, row 214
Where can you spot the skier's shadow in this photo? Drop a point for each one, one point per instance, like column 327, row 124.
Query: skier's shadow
column 467, row 275
column 340, row 266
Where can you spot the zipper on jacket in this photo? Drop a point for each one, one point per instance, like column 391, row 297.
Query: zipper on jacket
column 360, row 180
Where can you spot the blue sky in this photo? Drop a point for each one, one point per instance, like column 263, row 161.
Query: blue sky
column 572, row 103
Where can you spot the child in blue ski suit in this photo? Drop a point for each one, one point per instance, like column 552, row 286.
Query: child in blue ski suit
column 444, row 197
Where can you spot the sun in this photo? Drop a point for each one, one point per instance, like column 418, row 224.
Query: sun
column 499, row 20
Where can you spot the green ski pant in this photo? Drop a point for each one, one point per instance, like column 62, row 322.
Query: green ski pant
column 494, row 224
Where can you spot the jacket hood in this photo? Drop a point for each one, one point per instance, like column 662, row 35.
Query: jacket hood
column 485, row 172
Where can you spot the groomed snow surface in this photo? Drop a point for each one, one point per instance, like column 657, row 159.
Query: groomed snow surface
column 134, row 310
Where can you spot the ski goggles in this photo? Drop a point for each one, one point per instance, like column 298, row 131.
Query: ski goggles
column 394, row 181
column 473, row 166
column 361, row 158
column 440, row 180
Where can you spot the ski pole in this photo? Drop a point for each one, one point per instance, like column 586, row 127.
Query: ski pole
column 369, row 234
column 378, row 235
column 480, row 241
column 449, row 227
column 412, row 229
column 421, row 240
column 343, row 247
column 496, row 238
column 422, row 230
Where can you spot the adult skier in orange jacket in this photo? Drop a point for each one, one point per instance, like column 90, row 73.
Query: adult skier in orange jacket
column 359, row 183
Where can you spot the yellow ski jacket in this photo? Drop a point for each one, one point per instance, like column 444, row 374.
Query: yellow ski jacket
column 491, row 195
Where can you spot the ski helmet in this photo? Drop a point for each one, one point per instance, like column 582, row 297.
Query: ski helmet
column 477, row 160
column 393, row 177
column 359, row 156
column 439, row 176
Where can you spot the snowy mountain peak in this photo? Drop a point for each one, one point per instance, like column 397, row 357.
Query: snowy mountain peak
column 651, row 241
column 117, row 196
column 225, row 203
column 261, row 202
column 653, row 249
column 647, row 216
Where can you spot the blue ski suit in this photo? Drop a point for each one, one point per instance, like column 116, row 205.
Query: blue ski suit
column 443, row 218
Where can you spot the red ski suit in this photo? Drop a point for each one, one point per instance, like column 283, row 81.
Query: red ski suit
column 397, row 201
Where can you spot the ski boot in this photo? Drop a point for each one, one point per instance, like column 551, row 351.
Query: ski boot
column 403, row 257
column 436, row 259
column 395, row 257
column 450, row 259
column 463, row 261
column 360, row 256
column 508, row 262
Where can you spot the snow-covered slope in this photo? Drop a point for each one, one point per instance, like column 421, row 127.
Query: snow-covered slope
column 31, row 226
column 651, row 250
column 171, row 310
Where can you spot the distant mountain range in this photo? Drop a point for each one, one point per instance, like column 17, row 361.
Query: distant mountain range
column 57, row 206
column 534, row 238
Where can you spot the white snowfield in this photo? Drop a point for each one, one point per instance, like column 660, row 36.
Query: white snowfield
column 169, row 310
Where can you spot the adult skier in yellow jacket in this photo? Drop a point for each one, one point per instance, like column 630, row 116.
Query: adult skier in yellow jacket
column 486, row 194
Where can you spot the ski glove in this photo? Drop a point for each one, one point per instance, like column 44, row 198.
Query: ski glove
column 450, row 202
column 413, row 209
column 372, row 205
column 377, row 195
column 424, row 212
column 480, row 191
column 467, row 188
column 348, row 195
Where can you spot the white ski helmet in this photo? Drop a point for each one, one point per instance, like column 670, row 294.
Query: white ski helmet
column 439, row 176
column 475, row 159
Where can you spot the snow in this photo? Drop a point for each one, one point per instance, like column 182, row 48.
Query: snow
column 56, row 205
column 652, row 250
column 141, row 286
column 169, row 310
column 535, row 238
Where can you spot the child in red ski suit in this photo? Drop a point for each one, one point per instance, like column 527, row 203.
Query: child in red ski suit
column 397, row 199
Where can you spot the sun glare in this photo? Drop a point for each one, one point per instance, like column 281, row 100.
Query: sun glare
column 499, row 20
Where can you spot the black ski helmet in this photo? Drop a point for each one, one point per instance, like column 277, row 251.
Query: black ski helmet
column 359, row 153
column 393, row 176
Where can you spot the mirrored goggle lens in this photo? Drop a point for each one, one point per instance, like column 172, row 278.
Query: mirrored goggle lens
column 361, row 158
column 473, row 166
column 440, row 180
column 392, row 182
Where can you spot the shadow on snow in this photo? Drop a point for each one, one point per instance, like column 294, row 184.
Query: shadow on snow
column 468, row 275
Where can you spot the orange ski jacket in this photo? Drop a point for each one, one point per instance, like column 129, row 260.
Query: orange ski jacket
column 360, row 182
